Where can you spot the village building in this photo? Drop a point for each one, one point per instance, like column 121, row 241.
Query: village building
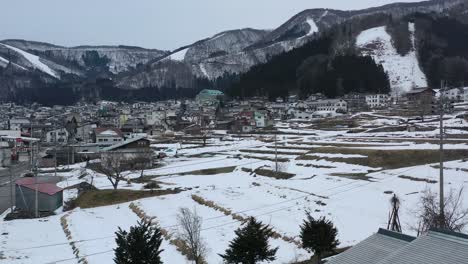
column 19, row 124
column 330, row 105
column 209, row 97
column 130, row 152
column 108, row 136
column 262, row 119
column 453, row 95
column 59, row 135
column 356, row 102
column 377, row 101
column 49, row 195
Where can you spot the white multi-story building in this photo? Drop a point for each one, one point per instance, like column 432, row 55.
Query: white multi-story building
column 454, row 95
column 331, row 105
column 108, row 136
column 377, row 100
column 59, row 135
column 303, row 114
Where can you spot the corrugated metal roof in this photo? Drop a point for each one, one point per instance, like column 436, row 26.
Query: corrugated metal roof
column 434, row 248
column 373, row 249
column 43, row 187
column 386, row 247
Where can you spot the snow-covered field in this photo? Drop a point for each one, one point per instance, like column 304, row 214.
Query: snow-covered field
column 355, row 197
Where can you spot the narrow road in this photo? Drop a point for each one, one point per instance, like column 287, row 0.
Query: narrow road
column 5, row 194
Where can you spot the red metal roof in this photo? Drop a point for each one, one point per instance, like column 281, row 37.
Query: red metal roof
column 43, row 187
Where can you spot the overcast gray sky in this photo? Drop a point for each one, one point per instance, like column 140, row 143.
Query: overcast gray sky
column 161, row 24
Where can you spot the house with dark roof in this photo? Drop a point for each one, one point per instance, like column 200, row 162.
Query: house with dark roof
column 388, row 247
column 133, row 153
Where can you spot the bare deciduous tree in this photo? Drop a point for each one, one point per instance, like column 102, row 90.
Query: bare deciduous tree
column 142, row 161
column 118, row 165
column 190, row 225
column 113, row 165
column 455, row 216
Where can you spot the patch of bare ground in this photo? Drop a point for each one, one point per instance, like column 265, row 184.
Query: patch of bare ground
column 270, row 152
column 401, row 140
column 353, row 176
column 266, row 158
column 347, row 145
column 315, row 166
column 91, row 199
column 417, row 179
column 211, row 171
column 279, row 175
column 388, row 158
column 333, row 123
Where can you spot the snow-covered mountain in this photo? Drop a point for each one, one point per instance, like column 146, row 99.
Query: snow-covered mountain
column 238, row 50
column 71, row 60
column 404, row 72
column 232, row 52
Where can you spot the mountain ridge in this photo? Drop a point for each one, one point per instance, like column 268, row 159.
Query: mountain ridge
column 229, row 52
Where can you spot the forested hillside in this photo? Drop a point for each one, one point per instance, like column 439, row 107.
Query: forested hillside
column 442, row 44
column 313, row 68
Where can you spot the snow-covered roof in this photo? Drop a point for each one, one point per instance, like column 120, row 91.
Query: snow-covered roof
column 126, row 142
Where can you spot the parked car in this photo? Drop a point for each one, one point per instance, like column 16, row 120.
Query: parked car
column 170, row 152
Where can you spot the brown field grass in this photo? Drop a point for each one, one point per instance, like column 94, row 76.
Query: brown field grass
column 388, row 159
column 91, row 199
column 273, row 174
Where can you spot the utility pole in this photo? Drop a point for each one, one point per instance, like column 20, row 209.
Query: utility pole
column 36, row 194
column 441, row 153
column 11, row 180
column 55, row 153
column 34, row 170
column 276, row 152
column 11, row 187
column 31, row 146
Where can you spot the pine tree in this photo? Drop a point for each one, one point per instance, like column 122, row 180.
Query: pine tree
column 140, row 245
column 251, row 244
column 318, row 235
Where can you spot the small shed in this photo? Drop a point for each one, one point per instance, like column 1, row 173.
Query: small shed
column 50, row 196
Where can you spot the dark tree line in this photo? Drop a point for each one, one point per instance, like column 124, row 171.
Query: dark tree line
column 342, row 75
column 71, row 89
column 401, row 37
column 278, row 76
column 442, row 49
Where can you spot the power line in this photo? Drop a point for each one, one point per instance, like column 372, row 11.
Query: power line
column 239, row 212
